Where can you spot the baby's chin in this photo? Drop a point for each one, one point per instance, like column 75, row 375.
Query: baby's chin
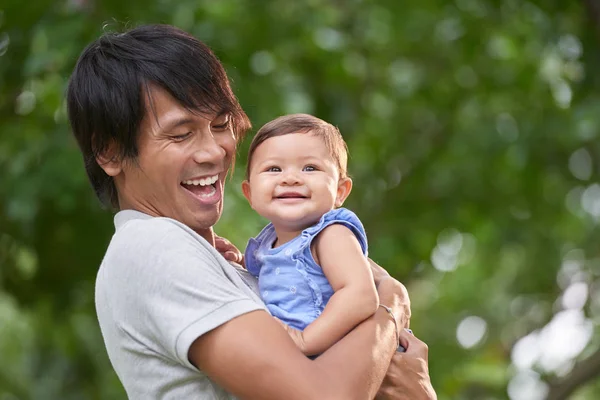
column 294, row 224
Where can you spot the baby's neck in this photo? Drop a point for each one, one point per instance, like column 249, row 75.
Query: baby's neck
column 285, row 235
column 287, row 231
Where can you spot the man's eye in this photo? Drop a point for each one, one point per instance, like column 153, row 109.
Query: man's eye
column 222, row 126
column 179, row 138
column 273, row 169
column 310, row 168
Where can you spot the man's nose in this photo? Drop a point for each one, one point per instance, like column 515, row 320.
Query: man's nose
column 209, row 150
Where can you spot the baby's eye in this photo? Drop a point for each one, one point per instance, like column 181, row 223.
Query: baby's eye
column 309, row 168
column 273, row 169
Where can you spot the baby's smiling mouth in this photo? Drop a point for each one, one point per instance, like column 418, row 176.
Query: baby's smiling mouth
column 291, row 195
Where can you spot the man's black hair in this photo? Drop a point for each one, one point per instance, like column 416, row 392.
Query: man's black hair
column 105, row 96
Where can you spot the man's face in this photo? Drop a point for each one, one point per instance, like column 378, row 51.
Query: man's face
column 182, row 164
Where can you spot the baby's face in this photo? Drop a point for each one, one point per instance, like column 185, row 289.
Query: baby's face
column 294, row 181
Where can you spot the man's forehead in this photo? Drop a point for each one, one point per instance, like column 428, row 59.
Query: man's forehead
column 166, row 110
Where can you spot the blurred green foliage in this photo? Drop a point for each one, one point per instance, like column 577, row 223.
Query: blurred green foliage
column 473, row 127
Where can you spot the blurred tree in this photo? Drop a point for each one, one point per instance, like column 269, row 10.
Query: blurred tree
column 473, row 130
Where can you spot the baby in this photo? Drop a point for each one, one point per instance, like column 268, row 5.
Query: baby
column 311, row 259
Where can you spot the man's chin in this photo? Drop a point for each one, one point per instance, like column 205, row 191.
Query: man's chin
column 204, row 221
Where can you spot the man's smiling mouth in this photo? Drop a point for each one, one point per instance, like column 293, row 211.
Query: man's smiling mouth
column 202, row 187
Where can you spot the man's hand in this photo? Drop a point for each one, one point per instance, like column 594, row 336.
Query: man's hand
column 228, row 250
column 407, row 377
column 379, row 273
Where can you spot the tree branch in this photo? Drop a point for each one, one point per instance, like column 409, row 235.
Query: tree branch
column 593, row 8
column 583, row 372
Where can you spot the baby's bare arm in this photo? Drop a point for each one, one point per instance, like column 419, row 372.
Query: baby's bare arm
column 349, row 274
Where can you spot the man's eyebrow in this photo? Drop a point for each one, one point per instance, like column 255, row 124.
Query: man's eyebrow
column 176, row 123
column 222, row 114
column 185, row 120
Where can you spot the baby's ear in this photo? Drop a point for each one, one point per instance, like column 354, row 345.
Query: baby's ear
column 110, row 161
column 246, row 191
column 343, row 190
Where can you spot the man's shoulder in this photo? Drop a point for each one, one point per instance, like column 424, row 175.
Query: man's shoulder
column 141, row 237
column 147, row 249
column 130, row 227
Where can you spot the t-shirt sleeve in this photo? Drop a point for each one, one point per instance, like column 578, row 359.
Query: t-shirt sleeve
column 341, row 216
column 171, row 288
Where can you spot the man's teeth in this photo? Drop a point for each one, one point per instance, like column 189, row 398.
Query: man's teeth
column 202, row 182
column 211, row 192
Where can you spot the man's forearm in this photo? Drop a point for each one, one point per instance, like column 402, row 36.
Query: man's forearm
column 359, row 361
column 252, row 357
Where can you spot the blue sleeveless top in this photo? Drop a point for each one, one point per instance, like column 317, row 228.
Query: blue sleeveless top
column 292, row 285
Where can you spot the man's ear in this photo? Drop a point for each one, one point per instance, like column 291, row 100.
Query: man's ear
column 109, row 161
column 246, row 191
column 343, row 190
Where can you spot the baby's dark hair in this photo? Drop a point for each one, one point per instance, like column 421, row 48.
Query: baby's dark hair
column 303, row 123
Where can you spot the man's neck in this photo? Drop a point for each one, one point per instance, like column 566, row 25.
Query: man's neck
column 208, row 235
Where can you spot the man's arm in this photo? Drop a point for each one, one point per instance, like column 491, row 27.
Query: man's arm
column 252, row 357
column 379, row 275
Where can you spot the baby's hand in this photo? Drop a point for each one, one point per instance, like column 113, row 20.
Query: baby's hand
column 295, row 334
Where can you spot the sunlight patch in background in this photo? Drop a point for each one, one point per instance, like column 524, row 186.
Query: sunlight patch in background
column 527, row 385
column 590, row 200
column 470, row 331
column 548, row 348
column 554, row 348
column 551, row 349
column 580, row 164
column 262, row 62
column 453, row 249
column 575, row 296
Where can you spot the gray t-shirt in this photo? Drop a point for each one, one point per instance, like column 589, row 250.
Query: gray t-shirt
column 159, row 287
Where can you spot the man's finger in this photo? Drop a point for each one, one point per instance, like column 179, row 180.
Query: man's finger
column 222, row 243
column 414, row 346
column 403, row 341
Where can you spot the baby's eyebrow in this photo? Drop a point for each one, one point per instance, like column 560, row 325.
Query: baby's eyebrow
column 267, row 161
column 312, row 159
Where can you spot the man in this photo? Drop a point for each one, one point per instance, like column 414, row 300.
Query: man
column 157, row 123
